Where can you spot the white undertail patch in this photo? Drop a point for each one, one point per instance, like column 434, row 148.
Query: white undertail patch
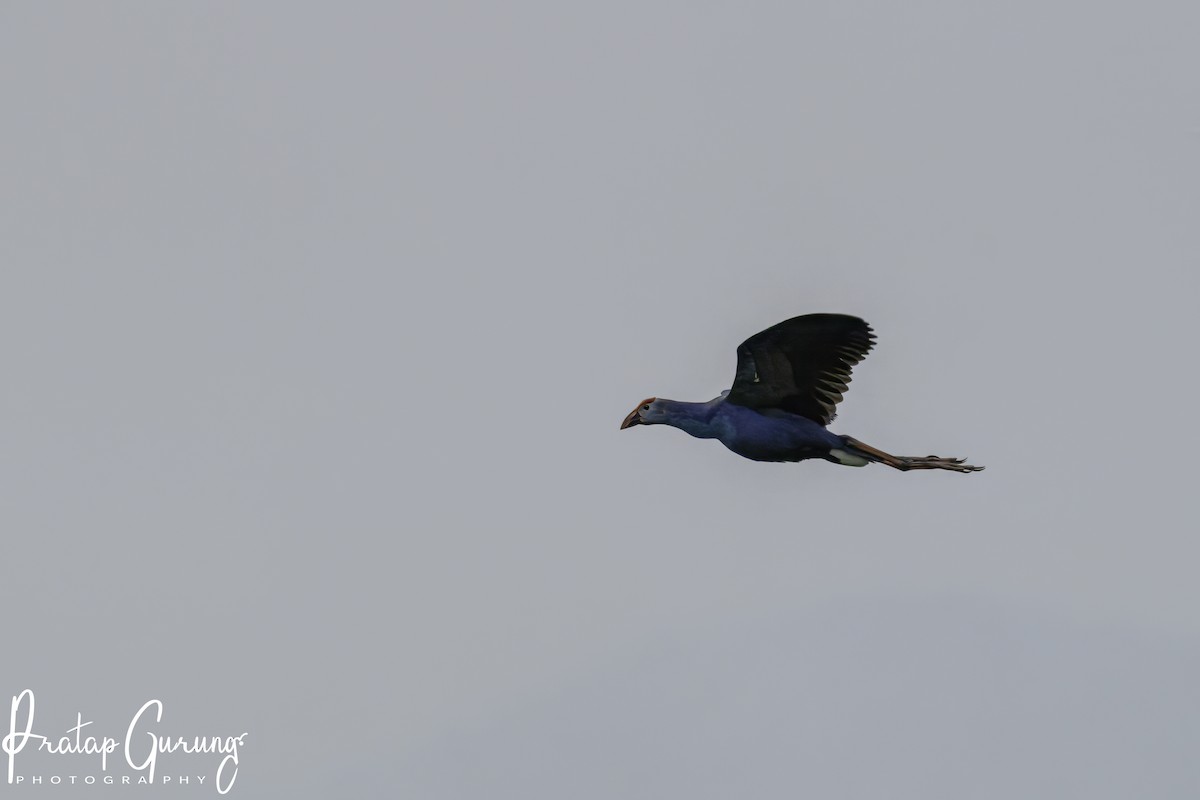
column 849, row 459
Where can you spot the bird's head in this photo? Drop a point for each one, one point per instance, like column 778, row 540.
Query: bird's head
column 647, row 412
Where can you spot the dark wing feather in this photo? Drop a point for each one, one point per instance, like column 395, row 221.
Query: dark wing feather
column 801, row 365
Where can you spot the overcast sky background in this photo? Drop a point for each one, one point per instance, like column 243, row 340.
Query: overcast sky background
column 317, row 323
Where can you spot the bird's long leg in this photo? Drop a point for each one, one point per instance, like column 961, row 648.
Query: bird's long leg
column 905, row 463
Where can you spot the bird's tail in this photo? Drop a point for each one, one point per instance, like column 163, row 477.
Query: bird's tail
column 906, row 463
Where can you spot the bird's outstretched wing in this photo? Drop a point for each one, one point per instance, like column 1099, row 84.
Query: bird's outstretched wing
column 801, row 365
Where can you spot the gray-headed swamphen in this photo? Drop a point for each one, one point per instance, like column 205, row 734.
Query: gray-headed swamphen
column 789, row 379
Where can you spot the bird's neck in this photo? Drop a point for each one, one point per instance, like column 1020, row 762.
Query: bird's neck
column 694, row 418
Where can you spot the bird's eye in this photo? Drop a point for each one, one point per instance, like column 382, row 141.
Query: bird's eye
column 646, row 407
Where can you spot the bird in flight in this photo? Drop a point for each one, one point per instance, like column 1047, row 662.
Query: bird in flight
column 789, row 380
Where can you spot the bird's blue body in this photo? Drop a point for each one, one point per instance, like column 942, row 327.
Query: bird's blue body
column 771, row 436
column 789, row 379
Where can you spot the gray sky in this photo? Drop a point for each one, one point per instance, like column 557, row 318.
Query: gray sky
column 318, row 322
